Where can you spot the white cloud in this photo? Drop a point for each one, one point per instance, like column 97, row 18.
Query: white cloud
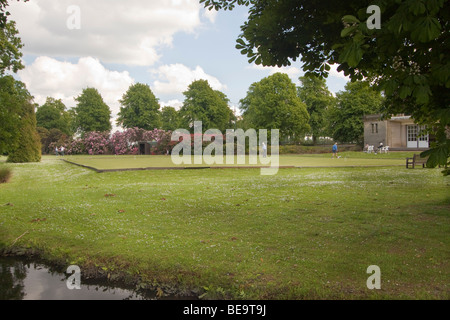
column 175, row 103
column 293, row 72
column 177, row 77
column 210, row 15
column 126, row 32
column 337, row 74
column 48, row 77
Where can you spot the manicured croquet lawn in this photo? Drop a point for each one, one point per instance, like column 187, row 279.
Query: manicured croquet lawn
column 347, row 159
column 305, row 233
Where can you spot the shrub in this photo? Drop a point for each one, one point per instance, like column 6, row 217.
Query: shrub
column 73, row 147
column 126, row 142
column 97, row 142
column 5, row 175
column 118, row 143
column 29, row 146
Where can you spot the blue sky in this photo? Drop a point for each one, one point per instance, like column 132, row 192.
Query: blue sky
column 166, row 44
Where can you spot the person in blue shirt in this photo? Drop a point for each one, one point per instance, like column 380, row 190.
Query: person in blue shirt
column 335, row 150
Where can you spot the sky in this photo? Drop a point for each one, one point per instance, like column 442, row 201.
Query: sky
column 111, row 44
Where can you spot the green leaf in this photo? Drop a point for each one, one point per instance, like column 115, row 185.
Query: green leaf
column 417, row 79
column 352, row 54
column 241, row 42
column 348, row 31
column 405, row 91
column 417, row 7
column 422, row 94
column 350, row 19
column 426, row 29
column 437, row 156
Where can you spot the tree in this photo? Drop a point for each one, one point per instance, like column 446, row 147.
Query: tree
column 140, row 108
column 51, row 137
column 24, row 145
column 272, row 103
column 346, row 118
column 92, row 113
column 9, row 114
column 10, row 44
column 18, row 134
column 202, row 103
column 54, row 115
column 170, row 119
column 314, row 93
column 407, row 57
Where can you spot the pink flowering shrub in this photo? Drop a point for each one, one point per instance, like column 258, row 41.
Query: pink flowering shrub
column 162, row 139
column 126, row 142
column 74, row 147
column 97, row 143
column 120, row 142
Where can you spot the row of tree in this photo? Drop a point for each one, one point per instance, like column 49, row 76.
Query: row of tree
column 272, row 103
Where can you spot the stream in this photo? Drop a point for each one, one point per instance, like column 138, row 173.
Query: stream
column 29, row 280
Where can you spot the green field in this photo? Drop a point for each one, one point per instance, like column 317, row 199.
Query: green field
column 305, row 233
column 348, row 159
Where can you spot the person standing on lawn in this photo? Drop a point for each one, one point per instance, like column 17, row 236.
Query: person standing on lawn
column 335, row 150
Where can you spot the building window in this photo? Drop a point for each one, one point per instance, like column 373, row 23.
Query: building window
column 417, row 137
column 374, row 127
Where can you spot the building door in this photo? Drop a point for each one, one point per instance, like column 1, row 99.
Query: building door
column 415, row 138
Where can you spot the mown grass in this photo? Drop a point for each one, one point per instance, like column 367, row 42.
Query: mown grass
column 304, row 233
column 347, row 159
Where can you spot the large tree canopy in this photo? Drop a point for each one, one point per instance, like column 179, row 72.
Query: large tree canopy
column 12, row 96
column 318, row 99
column 170, row 119
column 10, row 45
column 345, row 119
column 272, row 103
column 203, row 103
column 140, row 108
column 407, row 57
column 18, row 136
column 92, row 113
column 54, row 115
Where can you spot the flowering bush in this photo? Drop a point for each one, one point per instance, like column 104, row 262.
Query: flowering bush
column 97, row 143
column 119, row 143
column 126, row 142
column 162, row 139
column 75, row 147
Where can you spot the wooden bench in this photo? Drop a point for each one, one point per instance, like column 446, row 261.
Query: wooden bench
column 416, row 159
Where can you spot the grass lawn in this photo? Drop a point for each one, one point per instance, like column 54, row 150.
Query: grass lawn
column 348, row 159
column 305, row 233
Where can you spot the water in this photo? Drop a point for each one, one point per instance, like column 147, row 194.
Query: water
column 25, row 280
